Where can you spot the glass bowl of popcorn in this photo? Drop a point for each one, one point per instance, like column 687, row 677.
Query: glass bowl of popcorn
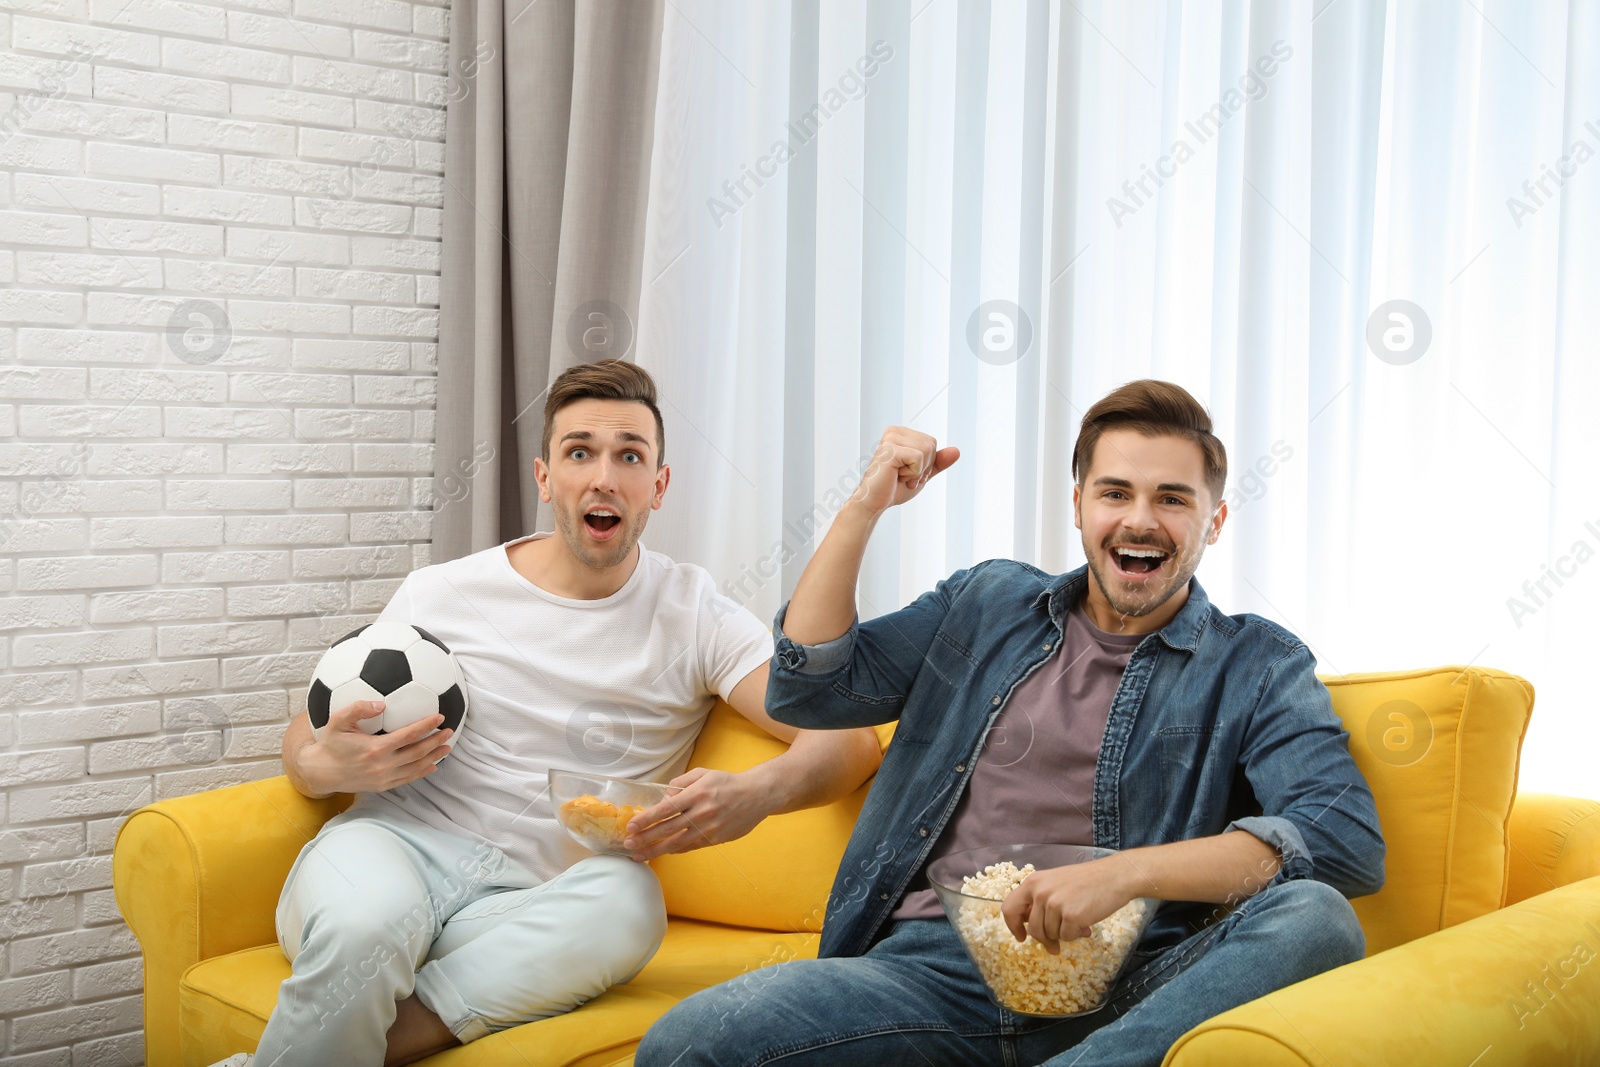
column 596, row 808
column 1020, row 975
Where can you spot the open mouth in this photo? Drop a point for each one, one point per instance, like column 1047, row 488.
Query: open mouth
column 602, row 523
column 1137, row 561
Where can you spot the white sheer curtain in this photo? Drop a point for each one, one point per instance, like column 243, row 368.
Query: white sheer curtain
column 1221, row 194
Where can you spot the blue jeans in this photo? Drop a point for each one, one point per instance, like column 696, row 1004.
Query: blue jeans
column 915, row 997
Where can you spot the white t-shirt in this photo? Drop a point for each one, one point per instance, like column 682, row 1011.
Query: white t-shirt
column 617, row 686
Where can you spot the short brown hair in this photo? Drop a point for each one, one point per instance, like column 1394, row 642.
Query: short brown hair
column 608, row 379
column 1153, row 408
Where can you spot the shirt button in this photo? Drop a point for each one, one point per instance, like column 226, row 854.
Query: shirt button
column 1047, row 646
column 960, row 767
column 922, row 832
column 883, row 896
column 995, row 701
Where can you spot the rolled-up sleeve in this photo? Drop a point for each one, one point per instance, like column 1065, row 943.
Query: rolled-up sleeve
column 824, row 658
column 861, row 677
column 1281, row 834
column 1317, row 809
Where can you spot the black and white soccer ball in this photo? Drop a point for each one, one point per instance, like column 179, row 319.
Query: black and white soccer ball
column 405, row 666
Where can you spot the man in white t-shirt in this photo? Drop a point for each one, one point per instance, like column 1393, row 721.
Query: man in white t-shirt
column 447, row 903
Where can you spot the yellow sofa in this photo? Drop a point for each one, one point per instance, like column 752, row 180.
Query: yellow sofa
column 1485, row 937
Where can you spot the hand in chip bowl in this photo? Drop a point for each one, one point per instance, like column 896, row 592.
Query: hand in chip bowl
column 596, row 808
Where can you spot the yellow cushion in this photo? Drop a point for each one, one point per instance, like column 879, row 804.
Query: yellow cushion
column 1440, row 749
column 1555, row 841
column 777, row 876
column 1523, row 981
column 223, row 1003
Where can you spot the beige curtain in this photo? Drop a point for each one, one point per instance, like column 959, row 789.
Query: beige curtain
column 547, row 167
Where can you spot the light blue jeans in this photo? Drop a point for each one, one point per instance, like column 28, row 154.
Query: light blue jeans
column 377, row 906
column 915, row 997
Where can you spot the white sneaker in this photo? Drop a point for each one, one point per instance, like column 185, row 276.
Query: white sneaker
column 238, row 1059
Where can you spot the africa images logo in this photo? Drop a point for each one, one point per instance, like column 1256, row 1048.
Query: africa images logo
column 1202, row 128
column 802, row 130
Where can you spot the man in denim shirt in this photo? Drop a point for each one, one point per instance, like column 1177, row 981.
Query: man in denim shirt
column 1221, row 773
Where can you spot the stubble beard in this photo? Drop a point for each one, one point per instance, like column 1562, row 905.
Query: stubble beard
column 1134, row 608
column 573, row 533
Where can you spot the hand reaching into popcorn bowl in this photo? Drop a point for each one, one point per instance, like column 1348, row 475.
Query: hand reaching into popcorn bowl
column 1061, row 904
column 1050, row 940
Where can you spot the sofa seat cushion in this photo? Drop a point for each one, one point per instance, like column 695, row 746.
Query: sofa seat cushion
column 223, row 1003
column 1440, row 749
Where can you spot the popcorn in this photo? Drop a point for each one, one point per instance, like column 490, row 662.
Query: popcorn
column 1021, row 974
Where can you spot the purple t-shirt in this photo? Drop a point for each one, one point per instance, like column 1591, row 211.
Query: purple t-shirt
column 1034, row 781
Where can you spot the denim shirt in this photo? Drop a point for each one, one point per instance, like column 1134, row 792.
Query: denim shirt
column 1219, row 723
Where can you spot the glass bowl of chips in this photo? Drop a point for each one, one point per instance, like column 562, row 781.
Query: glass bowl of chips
column 596, row 808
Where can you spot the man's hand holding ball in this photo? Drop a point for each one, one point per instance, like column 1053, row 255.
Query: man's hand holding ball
column 348, row 759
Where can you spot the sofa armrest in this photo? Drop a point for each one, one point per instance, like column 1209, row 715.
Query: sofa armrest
column 1524, row 980
column 1555, row 841
column 199, row 876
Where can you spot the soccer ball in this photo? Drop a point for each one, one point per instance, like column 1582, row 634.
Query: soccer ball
column 406, row 667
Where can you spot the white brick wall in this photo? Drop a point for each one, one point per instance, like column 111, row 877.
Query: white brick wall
column 219, row 247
